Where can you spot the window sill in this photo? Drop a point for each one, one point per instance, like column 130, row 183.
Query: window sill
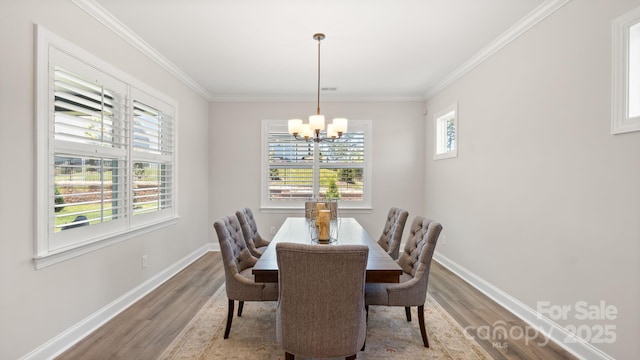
column 53, row 258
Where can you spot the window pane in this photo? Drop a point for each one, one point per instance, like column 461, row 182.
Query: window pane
column 152, row 186
column 290, row 167
column 341, row 167
column 85, row 112
column 450, row 135
column 348, row 149
column 152, row 130
column 290, row 183
column 344, row 183
column 86, row 191
column 446, row 133
column 283, row 148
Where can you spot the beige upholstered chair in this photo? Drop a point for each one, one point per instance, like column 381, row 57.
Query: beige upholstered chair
column 256, row 244
column 321, row 310
column 392, row 232
column 238, row 263
column 415, row 261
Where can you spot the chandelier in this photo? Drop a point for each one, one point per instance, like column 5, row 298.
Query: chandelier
column 311, row 131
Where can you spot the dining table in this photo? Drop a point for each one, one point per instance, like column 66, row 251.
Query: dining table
column 381, row 268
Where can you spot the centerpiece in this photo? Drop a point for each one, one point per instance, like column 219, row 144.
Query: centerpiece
column 324, row 223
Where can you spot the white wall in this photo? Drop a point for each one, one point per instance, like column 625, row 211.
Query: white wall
column 398, row 157
column 36, row 306
column 542, row 202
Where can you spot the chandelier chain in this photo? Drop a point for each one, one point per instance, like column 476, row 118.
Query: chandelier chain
column 318, row 110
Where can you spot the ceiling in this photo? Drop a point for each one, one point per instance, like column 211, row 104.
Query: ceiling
column 374, row 49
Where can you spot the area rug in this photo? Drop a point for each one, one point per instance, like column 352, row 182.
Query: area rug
column 253, row 336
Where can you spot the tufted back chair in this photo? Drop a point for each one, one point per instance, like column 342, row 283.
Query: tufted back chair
column 321, row 314
column 238, row 263
column 256, row 244
column 415, row 261
column 392, row 232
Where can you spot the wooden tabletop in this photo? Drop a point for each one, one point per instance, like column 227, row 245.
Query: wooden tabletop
column 381, row 268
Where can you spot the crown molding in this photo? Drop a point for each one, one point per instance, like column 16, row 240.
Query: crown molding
column 313, row 98
column 102, row 15
column 538, row 14
column 107, row 19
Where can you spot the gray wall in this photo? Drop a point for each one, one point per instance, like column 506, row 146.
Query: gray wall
column 542, row 202
column 36, row 306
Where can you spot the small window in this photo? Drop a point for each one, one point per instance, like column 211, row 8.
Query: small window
column 626, row 73
column 446, row 133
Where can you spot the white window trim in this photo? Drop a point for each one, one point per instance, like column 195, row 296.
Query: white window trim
column 43, row 255
column 437, row 136
column 620, row 120
column 266, row 204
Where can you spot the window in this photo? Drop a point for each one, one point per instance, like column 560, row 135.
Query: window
column 446, row 133
column 105, row 153
column 626, row 73
column 295, row 170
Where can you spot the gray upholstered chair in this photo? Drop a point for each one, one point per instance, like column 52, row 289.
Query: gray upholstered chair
column 415, row 261
column 321, row 310
column 392, row 232
column 256, row 244
column 238, row 263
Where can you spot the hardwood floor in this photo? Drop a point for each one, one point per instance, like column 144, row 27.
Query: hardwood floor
column 145, row 329
column 470, row 308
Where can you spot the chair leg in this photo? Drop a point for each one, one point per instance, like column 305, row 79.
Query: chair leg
column 229, row 319
column 240, row 307
column 423, row 329
column 407, row 310
column 366, row 308
column 288, row 356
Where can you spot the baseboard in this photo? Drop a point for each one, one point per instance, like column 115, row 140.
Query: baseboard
column 79, row 331
column 553, row 331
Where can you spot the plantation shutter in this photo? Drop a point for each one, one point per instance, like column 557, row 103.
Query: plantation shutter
column 88, row 113
column 152, row 130
column 89, row 133
column 106, row 151
column 295, row 170
column 342, row 164
column 153, row 151
column 290, row 167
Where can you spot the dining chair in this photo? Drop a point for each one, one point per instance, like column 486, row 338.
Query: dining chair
column 415, row 261
column 320, row 312
column 256, row 244
column 238, row 263
column 392, row 232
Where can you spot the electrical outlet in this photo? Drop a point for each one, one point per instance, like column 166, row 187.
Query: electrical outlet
column 273, row 230
column 144, row 261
